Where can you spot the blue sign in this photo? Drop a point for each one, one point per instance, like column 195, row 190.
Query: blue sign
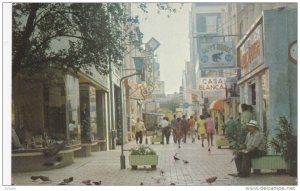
column 185, row 105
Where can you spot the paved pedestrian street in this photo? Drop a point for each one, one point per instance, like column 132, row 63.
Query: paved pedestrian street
column 105, row 166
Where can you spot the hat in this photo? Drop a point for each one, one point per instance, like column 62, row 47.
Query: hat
column 252, row 123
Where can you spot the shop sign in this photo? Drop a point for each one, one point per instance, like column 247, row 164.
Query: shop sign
column 216, row 55
column 212, row 87
column 212, row 84
column 251, row 51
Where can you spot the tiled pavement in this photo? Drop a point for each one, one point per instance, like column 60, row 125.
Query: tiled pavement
column 105, row 166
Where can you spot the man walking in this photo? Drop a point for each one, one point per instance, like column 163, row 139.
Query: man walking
column 192, row 129
column 139, row 129
column 163, row 125
column 184, row 126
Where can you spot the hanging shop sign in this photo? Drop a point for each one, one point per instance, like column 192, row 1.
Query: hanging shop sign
column 212, row 87
column 251, row 51
column 216, row 55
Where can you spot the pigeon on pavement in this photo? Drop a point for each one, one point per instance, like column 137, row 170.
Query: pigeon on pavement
column 97, row 182
column 162, row 172
column 211, row 179
column 86, row 182
column 45, row 178
column 34, row 178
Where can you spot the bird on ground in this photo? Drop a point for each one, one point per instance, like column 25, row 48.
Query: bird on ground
column 86, row 182
column 185, row 161
column 45, row 178
column 97, row 182
column 175, row 158
column 34, row 178
column 68, row 180
column 162, row 172
column 211, row 179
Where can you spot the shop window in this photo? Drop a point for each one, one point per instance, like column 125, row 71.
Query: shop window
column 253, row 94
column 55, row 111
column 72, row 92
column 88, row 113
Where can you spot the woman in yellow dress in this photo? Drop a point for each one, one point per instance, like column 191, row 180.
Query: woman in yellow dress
column 201, row 129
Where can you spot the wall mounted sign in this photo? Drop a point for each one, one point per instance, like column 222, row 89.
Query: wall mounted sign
column 251, row 51
column 212, row 87
column 216, row 55
column 293, row 52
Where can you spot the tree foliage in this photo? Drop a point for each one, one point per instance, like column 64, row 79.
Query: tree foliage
column 172, row 104
column 285, row 140
column 72, row 36
column 69, row 35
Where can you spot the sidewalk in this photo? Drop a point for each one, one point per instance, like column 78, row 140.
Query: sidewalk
column 105, row 166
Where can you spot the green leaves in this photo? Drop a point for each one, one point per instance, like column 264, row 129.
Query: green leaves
column 285, row 141
column 73, row 36
column 142, row 150
column 68, row 35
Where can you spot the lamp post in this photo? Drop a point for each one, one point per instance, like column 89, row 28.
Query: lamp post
column 122, row 157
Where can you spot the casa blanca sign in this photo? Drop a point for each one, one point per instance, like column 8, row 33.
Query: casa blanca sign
column 212, row 87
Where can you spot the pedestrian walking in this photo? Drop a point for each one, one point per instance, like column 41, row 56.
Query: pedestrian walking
column 192, row 129
column 179, row 131
column 185, row 126
column 216, row 122
column 201, row 129
column 246, row 116
column 139, row 129
column 210, row 129
column 163, row 124
column 230, row 127
column 72, row 127
column 167, row 130
column 173, row 125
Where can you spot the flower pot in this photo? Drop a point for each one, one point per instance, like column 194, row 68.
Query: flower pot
column 138, row 160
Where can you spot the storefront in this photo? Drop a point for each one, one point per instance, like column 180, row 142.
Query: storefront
column 268, row 77
column 55, row 107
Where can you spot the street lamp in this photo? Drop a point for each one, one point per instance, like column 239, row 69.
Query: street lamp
column 122, row 157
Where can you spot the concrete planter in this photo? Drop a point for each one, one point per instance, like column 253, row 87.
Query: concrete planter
column 271, row 162
column 222, row 142
column 138, row 160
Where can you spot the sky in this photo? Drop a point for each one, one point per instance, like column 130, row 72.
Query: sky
column 172, row 33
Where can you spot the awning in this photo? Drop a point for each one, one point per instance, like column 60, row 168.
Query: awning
column 216, row 105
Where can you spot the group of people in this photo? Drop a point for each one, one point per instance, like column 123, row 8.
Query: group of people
column 245, row 128
column 182, row 128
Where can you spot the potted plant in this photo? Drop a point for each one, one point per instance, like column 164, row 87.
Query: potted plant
column 285, row 143
column 143, row 155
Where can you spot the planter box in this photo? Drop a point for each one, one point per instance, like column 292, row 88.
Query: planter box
column 222, row 142
column 138, row 160
column 271, row 162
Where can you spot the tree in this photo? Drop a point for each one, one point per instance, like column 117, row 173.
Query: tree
column 72, row 36
column 172, row 104
column 68, row 35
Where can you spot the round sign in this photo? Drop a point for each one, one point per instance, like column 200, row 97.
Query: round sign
column 293, row 52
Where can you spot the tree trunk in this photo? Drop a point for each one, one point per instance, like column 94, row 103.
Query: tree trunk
column 22, row 47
